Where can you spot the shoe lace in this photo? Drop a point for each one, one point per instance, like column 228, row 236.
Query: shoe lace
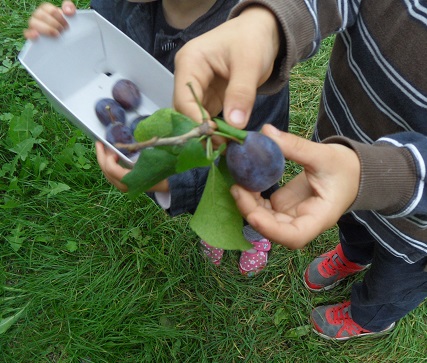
column 341, row 311
column 332, row 264
column 341, row 314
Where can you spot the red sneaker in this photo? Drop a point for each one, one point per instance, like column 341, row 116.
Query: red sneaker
column 334, row 322
column 327, row 270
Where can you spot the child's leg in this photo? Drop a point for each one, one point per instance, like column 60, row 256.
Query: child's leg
column 391, row 288
column 255, row 259
column 213, row 254
column 389, row 291
column 352, row 255
column 251, row 261
column 356, row 242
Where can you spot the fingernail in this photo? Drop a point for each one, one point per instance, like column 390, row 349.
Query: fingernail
column 237, row 117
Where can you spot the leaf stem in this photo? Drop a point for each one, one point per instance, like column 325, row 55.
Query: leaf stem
column 227, row 136
column 202, row 110
column 228, row 130
column 209, row 148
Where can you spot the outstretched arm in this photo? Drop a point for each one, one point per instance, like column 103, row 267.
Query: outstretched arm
column 340, row 175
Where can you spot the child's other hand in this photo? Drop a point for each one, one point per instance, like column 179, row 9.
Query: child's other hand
column 310, row 203
column 48, row 20
column 108, row 162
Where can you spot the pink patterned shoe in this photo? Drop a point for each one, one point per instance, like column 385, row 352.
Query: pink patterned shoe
column 213, row 254
column 252, row 263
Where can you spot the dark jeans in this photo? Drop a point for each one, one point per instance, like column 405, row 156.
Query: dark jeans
column 391, row 287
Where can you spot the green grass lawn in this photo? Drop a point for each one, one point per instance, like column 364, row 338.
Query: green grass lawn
column 89, row 276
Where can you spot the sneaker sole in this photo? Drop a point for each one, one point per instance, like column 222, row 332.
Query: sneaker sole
column 330, row 287
column 372, row 335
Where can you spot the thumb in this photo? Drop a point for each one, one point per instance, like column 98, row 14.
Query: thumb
column 295, row 148
column 240, row 96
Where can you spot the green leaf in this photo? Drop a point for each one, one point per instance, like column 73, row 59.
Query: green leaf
column 55, row 188
column 192, row 155
column 10, row 167
column 281, row 315
column 298, row 331
column 6, row 323
column 159, row 124
column 158, row 163
column 15, row 240
column 181, row 124
column 23, row 127
column 153, row 166
column 223, row 168
column 10, row 204
column 71, row 246
column 23, row 148
column 39, row 163
column 217, row 219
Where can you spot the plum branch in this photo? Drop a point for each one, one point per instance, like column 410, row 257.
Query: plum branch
column 203, row 130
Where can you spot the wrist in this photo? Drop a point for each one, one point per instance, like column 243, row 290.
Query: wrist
column 265, row 18
column 387, row 176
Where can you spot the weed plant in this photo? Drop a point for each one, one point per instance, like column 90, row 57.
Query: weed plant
column 88, row 276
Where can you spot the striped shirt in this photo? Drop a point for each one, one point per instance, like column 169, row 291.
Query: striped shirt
column 374, row 100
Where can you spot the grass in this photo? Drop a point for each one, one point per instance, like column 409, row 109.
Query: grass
column 87, row 275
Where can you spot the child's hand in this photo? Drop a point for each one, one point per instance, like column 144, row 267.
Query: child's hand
column 108, row 162
column 227, row 65
column 48, row 20
column 311, row 202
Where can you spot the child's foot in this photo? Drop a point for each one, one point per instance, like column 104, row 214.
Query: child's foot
column 254, row 260
column 327, row 270
column 213, row 254
column 335, row 322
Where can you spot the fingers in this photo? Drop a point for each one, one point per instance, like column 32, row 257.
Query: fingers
column 251, row 62
column 31, row 34
column 289, row 230
column 68, row 8
column 296, row 148
column 225, row 67
column 108, row 162
column 334, row 168
column 192, row 68
column 240, row 98
column 311, row 202
column 48, row 20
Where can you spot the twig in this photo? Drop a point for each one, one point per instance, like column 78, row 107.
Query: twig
column 203, row 129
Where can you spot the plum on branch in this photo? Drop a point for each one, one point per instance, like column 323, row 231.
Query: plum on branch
column 254, row 160
column 257, row 163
